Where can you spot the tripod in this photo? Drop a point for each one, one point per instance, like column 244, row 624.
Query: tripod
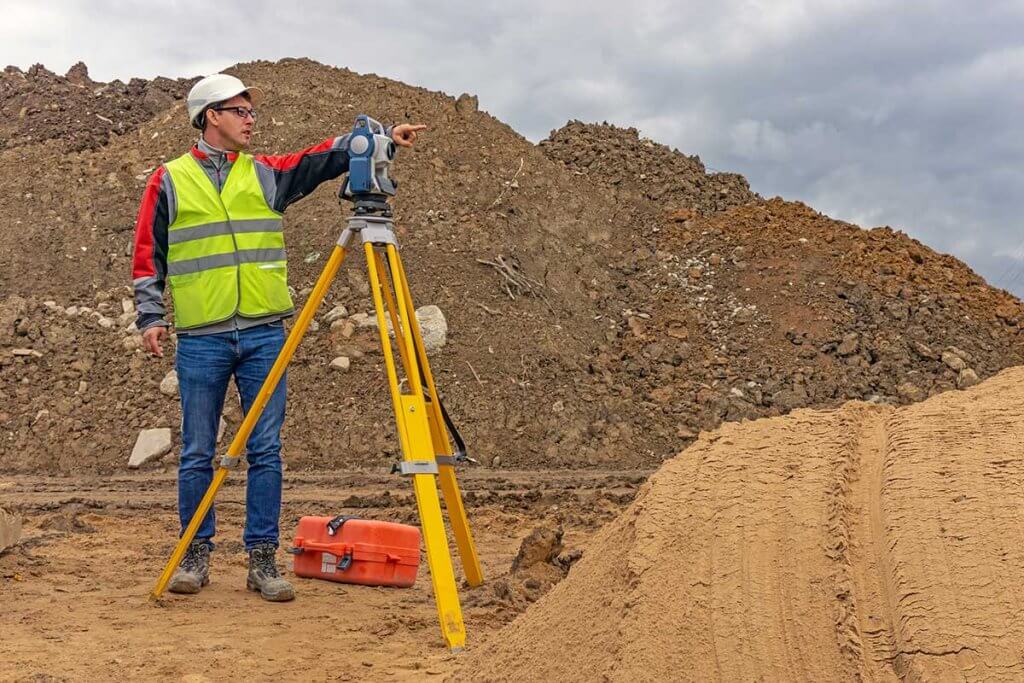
column 427, row 455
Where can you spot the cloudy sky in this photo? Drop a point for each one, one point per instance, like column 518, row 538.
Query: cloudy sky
column 906, row 114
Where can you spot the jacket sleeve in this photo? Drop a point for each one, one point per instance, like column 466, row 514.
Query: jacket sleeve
column 149, row 265
column 287, row 178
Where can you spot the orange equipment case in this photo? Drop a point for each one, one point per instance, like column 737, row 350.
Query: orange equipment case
column 352, row 550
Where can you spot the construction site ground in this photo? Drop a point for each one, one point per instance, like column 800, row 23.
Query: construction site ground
column 74, row 592
column 719, row 436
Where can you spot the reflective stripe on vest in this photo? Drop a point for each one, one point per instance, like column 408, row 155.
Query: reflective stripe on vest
column 225, row 251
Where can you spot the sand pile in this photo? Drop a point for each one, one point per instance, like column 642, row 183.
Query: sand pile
column 864, row 543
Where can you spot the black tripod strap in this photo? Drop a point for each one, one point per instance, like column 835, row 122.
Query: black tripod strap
column 460, row 445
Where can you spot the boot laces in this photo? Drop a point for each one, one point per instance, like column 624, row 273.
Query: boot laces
column 263, row 559
column 192, row 562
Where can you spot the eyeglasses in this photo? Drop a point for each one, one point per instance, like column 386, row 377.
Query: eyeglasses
column 242, row 112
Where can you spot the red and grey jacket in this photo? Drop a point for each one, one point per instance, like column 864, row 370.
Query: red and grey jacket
column 284, row 179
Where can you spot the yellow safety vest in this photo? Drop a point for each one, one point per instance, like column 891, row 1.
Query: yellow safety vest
column 225, row 251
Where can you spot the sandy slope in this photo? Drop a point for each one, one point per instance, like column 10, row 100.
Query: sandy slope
column 865, row 543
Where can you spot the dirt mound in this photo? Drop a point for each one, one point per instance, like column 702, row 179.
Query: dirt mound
column 868, row 542
column 38, row 105
column 634, row 168
column 473, row 191
column 772, row 306
column 650, row 317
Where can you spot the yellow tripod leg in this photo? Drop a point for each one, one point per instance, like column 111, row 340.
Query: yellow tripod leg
column 417, row 447
column 446, row 472
column 323, row 283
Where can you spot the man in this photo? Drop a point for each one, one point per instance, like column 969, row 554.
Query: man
column 210, row 226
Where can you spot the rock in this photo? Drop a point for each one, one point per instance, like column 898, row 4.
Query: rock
column 127, row 306
column 169, row 384
column 496, row 461
column 363, row 320
column 953, row 361
column 541, row 546
column 685, row 432
column 71, row 310
column 10, row 529
column 910, row 392
column 26, row 352
column 957, row 352
column 695, row 272
column 132, row 343
column 341, row 363
column 151, row 444
column 557, row 406
column 335, row 313
column 221, row 428
column 467, row 103
column 313, row 326
column 346, row 327
column 967, row 378
column 849, row 345
column 433, row 327
column 105, row 322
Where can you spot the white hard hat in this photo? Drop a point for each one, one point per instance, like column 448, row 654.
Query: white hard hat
column 214, row 89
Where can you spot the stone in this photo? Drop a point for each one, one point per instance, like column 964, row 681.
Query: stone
column 221, row 428
column 967, row 378
column 151, row 444
column 335, row 313
column 341, row 363
column 433, row 327
column 496, row 461
column 127, row 306
column 314, row 326
column 345, row 327
column 953, row 361
column 169, row 384
column 132, row 343
column 558, row 407
column 849, row 345
column 957, row 352
column 105, row 322
column 695, row 272
column 910, row 392
column 10, row 529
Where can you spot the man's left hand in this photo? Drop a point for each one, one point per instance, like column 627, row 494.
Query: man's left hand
column 404, row 134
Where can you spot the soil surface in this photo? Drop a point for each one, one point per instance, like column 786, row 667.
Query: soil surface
column 75, row 589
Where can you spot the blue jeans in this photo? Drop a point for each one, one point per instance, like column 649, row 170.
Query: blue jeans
column 205, row 365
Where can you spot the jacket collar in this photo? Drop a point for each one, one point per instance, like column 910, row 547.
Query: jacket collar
column 204, row 151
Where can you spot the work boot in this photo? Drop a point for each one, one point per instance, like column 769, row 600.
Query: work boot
column 264, row 577
column 194, row 571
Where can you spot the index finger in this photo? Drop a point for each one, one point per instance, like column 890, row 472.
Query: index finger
column 417, row 126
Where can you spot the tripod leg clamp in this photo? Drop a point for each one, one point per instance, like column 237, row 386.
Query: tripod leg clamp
column 409, row 468
column 229, row 462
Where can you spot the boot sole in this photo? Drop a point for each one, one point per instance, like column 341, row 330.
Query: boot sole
column 280, row 596
column 188, row 588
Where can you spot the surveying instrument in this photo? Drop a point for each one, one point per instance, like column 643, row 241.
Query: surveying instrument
column 424, row 430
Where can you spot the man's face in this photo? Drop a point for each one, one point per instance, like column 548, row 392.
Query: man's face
column 235, row 131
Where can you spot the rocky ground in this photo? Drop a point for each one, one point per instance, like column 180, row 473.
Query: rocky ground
column 605, row 298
